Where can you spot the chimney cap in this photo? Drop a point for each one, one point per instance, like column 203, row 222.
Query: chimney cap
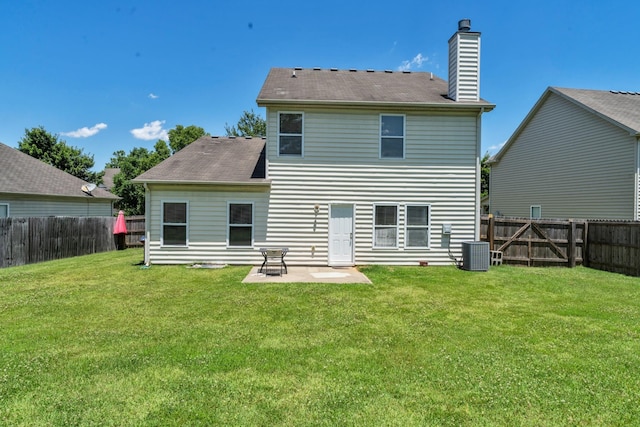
column 464, row 25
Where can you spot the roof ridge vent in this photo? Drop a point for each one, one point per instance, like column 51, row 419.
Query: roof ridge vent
column 317, row 68
column 370, row 70
column 353, row 70
column 333, row 69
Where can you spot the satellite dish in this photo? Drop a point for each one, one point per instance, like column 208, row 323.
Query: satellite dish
column 88, row 188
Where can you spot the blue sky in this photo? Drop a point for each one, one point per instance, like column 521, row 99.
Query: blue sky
column 113, row 75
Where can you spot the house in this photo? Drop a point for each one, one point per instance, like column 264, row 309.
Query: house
column 575, row 155
column 357, row 167
column 32, row 188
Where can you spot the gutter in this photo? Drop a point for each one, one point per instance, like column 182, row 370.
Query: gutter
column 378, row 105
column 266, row 183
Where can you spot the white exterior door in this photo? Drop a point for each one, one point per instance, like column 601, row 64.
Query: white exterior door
column 341, row 235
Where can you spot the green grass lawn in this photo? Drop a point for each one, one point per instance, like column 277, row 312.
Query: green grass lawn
column 98, row 340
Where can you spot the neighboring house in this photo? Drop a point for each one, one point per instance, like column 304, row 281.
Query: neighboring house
column 575, row 155
column 32, row 188
column 107, row 179
column 358, row 167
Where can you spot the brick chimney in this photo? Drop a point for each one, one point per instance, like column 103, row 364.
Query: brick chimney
column 464, row 63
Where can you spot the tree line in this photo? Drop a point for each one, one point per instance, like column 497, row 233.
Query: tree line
column 49, row 148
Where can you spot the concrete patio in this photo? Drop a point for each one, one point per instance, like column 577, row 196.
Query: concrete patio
column 299, row 274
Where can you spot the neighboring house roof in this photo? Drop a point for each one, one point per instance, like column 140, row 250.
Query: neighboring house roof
column 213, row 160
column 621, row 108
column 359, row 88
column 107, row 179
column 23, row 174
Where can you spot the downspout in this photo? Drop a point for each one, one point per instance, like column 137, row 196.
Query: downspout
column 636, row 190
column 478, row 174
column 147, row 224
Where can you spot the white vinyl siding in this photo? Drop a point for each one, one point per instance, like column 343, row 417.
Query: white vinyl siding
column 208, row 224
column 342, row 165
column 27, row 206
column 572, row 162
column 464, row 67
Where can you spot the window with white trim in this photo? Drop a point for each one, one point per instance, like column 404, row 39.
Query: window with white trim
column 392, row 136
column 385, row 226
column 4, row 210
column 417, row 226
column 175, row 223
column 240, row 224
column 290, row 141
column 536, row 211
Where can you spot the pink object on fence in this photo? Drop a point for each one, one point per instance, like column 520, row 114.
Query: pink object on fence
column 121, row 225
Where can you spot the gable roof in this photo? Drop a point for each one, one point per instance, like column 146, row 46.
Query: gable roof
column 23, row 174
column 359, row 88
column 212, row 160
column 619, row 108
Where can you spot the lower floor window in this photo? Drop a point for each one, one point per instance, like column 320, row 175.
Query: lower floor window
column 4, row 210
column 174, row 223
column 241, row 224
column 385, row 226
column 417, row 226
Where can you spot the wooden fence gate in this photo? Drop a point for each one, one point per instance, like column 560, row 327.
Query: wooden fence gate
column 531, row 242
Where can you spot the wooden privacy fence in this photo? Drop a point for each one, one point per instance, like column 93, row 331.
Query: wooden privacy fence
column 30, row 240
column 135, row 230
column 614, row 246
column 530, row 242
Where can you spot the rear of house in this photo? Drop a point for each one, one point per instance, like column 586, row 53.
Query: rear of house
column 576, row 155
column 358, row 167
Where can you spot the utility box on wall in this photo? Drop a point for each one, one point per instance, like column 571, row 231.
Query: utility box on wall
column 475, row 256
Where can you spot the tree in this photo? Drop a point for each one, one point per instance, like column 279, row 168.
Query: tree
column 131, row 165
column 485, row 172
column 42, row 145
column 250, row 124
column 182, row 136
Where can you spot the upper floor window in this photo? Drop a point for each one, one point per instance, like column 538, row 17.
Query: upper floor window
column 385, row 226
column 290, row 139
column 391, row 136
column 174, row 223
column 241, row 224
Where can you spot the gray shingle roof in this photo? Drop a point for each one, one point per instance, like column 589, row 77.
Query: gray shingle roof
column 622, row 108
column 351, row 87
column 213, row 160
column 23, row 174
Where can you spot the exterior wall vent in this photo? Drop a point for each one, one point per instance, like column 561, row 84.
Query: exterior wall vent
column 475, row 256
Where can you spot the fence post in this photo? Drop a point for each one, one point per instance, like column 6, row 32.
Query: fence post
column 490, row 226
column 571, row 245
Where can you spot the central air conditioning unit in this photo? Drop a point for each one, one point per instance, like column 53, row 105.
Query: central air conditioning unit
column 475, row 256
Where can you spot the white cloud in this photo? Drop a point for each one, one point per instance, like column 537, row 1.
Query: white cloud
column 495, row 148
column 416, row 62
column 151, row 131
column 85, row 131
column 153, row 96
